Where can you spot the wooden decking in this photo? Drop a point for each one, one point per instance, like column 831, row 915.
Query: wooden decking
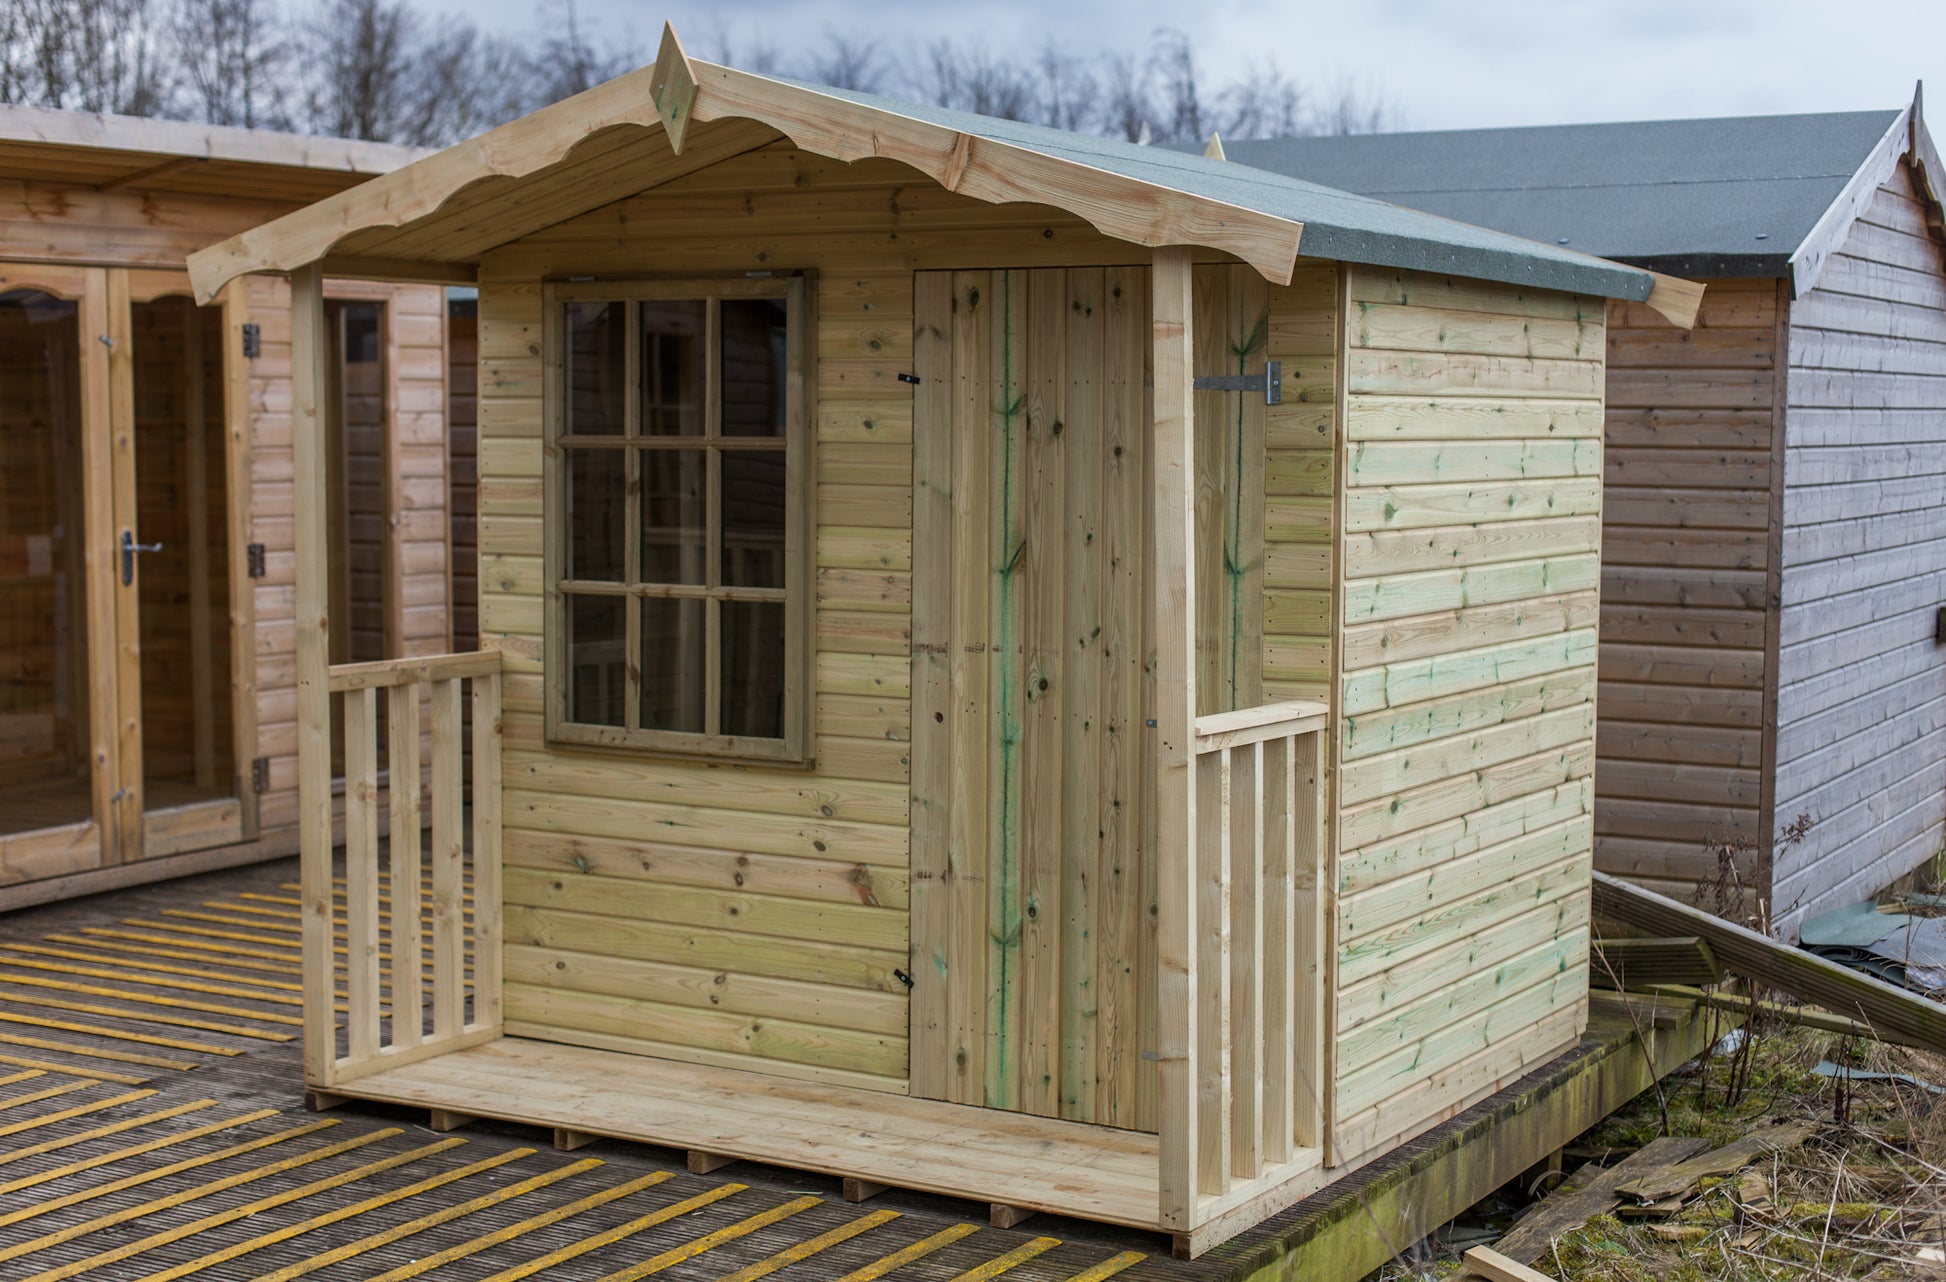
column 1094, row 1172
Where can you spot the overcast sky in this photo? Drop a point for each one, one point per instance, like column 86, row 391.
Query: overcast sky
column 1440, row 63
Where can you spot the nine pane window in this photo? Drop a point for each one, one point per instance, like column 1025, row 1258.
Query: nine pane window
column 678, row 612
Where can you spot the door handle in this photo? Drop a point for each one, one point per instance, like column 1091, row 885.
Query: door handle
column 129, row 548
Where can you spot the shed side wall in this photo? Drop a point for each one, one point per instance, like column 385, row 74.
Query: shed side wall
column 1861, row 700
column 1685, row 564
column 1471, row 526
column 1299, row 495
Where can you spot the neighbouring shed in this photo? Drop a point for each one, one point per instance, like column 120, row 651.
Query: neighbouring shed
column 1773, row 683
column 979, row 692
column 147, row 680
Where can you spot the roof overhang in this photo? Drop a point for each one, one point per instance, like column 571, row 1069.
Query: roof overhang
column 1906, row 139
column 670, row 98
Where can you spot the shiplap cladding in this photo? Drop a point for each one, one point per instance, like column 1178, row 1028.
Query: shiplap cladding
column 1685, row 567
column 1470, row 529
column 1861, row 682
column 1300, row 487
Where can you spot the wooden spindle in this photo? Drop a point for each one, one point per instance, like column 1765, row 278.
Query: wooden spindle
column 408, row 948
column 361, row 874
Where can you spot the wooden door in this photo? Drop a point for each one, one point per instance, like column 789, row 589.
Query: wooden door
column 58, row 726
column 185, row 766
column 1033, row 947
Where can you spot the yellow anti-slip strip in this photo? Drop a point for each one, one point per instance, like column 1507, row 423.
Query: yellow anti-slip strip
column 419, row 1268
column 905, row 1255
column 133, row 1150
column 149, row 999
column 1110, row 1267
column 95, row 1052
column 72, row 1070
column 345, row 1212
column 149, row 1016
column 235, row 1213
column 431, row 1219
column 690, row 1250
column 179, row 953
column 163, row 1172
column 608, row 1237
column 102, row 1030
column 160, row 968
column 151, row 981
column 1000, row 1264
column 805, row 1250
column 112, row 1128
column 34, row 1097
column 62, row 1115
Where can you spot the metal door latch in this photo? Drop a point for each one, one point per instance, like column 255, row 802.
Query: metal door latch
column 129, row 548
column 1270, row 383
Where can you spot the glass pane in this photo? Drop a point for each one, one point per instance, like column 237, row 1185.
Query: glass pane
column 754, row 349
column 44, row 774
column 673, row 680
column 673, row 368
column 596, row 368
column 177, row 358
column 597, row 646
column 753, row 518
column 753, row 669
column 675, row 520
column 597, row 514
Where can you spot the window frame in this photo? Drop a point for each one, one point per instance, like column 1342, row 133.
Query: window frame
column 795, row 746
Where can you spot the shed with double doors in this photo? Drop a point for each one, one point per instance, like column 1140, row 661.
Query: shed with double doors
column 1014, row 665
column 147, row 672
column 1773, row 673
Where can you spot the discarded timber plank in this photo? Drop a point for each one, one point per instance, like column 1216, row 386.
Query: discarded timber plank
column 1680, row 1178
column 1634, row 964
column 1490, row 1264
column 1644, row 1010
column 1784, row 1012
column 1589, row 1192
column 1893, row 1014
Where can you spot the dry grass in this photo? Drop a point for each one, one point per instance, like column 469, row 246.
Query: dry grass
column 1856, row 1202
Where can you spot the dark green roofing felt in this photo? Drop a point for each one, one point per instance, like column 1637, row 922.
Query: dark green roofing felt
column 1696, row 198
column 1337, row 224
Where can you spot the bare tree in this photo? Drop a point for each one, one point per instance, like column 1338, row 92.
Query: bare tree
column 1126, row 105
column 969, row 78
column 232, row 55
column 85, row 55
column 1070, row 93
column 569, row 62
column 1263, row 104
column 847, row 62
column 1182, row 116
column 1353, row 108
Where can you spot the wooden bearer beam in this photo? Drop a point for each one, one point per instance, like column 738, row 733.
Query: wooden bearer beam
column 1002, row 1216
column 567, row 1141
column 1174, row 731
column 702, row 1163
column 857, row 1190
column 445, row 1119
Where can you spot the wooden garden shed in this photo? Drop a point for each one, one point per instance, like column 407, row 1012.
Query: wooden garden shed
column 975, row 695
column 1773, row 671
column 147, row 693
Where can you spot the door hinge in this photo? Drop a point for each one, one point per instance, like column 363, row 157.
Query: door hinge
column 253, row 340
column 260, row 775
column 254, row 557
column 1270, row 383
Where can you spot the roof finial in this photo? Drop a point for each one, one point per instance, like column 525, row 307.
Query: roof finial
column 1215, row 149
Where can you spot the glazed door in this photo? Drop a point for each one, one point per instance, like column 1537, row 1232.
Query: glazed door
column 176, row 573
column 117, row 665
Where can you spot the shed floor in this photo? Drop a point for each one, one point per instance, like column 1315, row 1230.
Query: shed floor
column 152, row 1126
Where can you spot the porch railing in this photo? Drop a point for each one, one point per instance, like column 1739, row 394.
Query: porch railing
column 1258, row 926
column 409, row 992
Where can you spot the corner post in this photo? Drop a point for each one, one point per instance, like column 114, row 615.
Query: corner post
column 1174, row 567
column 309, row 360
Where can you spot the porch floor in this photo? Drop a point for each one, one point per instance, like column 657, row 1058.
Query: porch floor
column 986, row 1155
